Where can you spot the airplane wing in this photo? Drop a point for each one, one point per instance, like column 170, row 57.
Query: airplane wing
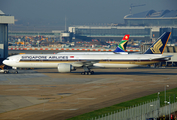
column 84, row 63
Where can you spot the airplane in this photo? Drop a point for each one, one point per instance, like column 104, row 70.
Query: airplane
column 70, row 62
column 119, row 50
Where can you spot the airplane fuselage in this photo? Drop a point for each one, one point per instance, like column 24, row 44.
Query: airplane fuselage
column 77, row 60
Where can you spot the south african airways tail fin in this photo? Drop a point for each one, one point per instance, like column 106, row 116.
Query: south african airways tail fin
column 122, row 45
column 159, row 45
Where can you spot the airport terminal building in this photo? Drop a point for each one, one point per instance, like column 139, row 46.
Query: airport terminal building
column 4, row 21
column 146, row 26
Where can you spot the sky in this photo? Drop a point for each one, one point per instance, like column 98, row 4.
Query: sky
column 77, row 12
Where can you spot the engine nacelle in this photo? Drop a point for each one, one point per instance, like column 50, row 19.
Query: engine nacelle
column 65, row 67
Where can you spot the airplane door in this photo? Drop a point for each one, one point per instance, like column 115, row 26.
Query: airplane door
column 77, row 58
column 40, row 61
column 139, row 60
column 107, row 60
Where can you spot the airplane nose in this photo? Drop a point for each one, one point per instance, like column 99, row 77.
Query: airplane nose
column 4, row 62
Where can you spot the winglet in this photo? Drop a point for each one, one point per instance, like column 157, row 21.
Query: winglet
column 159, row 46
column 122, row 46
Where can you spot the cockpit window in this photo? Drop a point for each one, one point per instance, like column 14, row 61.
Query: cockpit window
column 7, row 59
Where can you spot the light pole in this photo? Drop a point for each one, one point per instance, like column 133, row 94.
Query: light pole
column 169, row 109
column 151, row 107
column 158, row 95
column 165, row 100
column 158, row 106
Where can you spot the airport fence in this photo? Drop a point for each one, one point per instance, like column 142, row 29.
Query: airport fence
column 166, row 110
column 142, row 111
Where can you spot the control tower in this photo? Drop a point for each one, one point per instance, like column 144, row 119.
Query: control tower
column 4, row 21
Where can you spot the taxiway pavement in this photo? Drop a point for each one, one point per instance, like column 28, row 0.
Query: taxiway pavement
column 47, row 94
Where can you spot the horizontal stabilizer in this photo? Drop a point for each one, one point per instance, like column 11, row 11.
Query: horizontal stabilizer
column 162, row 57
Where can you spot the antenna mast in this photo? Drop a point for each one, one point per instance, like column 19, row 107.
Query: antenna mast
column 65, row 23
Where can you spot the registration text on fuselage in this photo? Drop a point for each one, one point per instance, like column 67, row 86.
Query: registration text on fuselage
column 44, row 57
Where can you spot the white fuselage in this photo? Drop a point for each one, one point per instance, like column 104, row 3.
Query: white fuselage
column 78, row 60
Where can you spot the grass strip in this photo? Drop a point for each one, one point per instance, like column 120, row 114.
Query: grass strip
column 87, row 116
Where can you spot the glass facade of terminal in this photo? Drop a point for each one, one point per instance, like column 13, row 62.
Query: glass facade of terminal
column 174, row 32
column 113, row 32
column 32, row 34
column 151, row 22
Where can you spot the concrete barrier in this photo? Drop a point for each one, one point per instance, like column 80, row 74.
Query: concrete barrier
column 175, row 47
column 170, row 49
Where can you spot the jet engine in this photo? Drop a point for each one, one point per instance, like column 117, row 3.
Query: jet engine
column 65, row 67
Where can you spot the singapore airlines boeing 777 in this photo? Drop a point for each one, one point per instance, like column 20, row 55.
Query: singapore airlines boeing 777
column 70, row 62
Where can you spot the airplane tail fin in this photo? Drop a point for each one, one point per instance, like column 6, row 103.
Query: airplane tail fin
column 159, row 45
column 122, row 46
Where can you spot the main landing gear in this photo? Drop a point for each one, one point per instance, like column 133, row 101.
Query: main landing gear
column 87, row 73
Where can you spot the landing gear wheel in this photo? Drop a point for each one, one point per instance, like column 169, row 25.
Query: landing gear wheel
column 89, row 73
column 82, row 73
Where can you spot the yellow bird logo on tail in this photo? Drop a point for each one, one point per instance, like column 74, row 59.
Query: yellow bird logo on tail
column 156, row 47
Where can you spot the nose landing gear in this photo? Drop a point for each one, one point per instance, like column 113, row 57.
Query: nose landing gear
column 14, row 69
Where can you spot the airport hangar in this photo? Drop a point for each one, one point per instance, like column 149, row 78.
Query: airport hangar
column 146, row 26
